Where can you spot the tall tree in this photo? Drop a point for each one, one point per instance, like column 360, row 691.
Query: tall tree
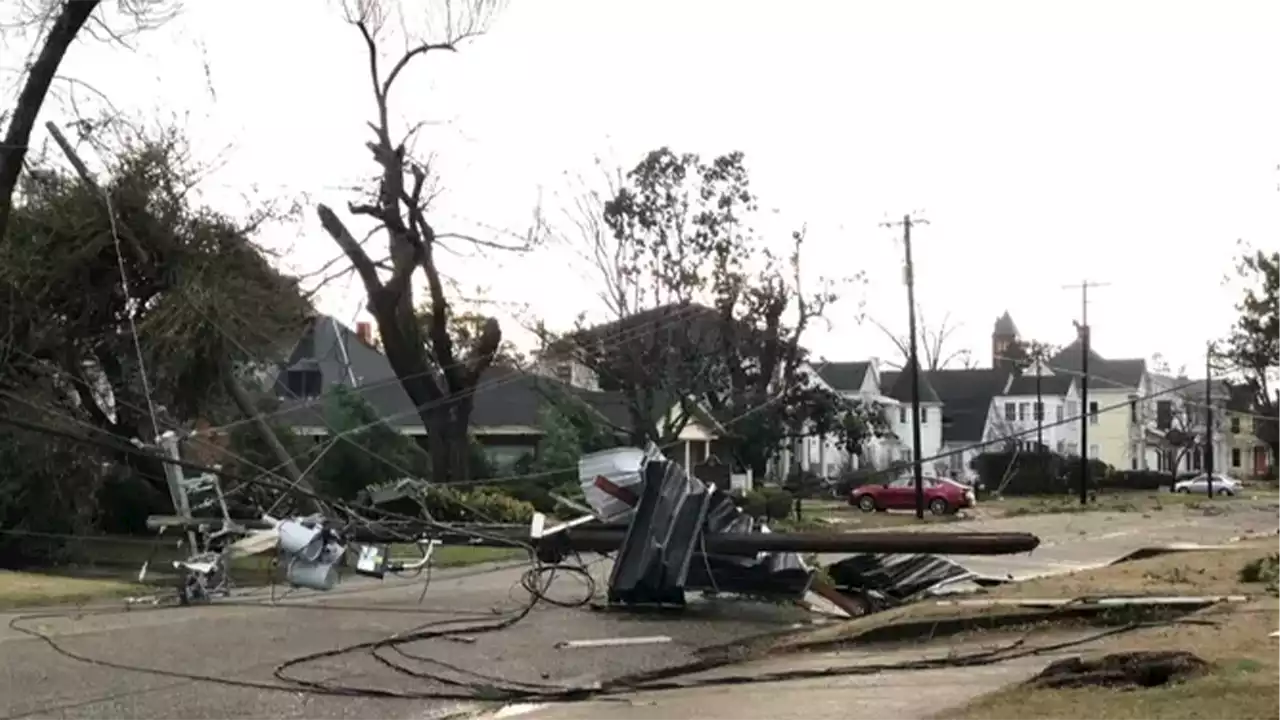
column 128, row 300
column 1254, row 344
column 438, row 376
column 59, row 23
column 707, row 313
column 936, row 345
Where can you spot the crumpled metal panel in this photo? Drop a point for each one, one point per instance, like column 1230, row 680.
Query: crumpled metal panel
column 653, row 562
column 894, row 578
column 662, row 554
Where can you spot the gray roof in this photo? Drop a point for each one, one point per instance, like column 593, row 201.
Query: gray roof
column 897, row 385
column 1056, row 384
column 845, row 376
column 505, row 396
column 1005, row 326
column 1103, row 373
column 966, row 397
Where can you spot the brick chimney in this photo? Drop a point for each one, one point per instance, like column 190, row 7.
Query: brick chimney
column 364, row 331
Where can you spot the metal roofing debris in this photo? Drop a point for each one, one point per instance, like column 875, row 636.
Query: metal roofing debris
column 613, row 642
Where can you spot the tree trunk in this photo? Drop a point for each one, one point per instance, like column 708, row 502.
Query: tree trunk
column 13, row 149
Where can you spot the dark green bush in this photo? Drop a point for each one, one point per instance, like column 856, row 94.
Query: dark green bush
column 1137, row 480
column 480, row 505
column 1035, row 473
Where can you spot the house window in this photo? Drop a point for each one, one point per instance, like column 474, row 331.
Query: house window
column 1133, row 408
column 1010, row 412
column 1164, row 414
column 906, row 455
column 1039, row 415
column 1195, row 461
column 1060, row 413
column 924, row 415
column 1093, row 413
column 1133, row 457
column 1022, row 410
column 1093, row 451
column 1072, row 409
column 1235, row 457
column 902, row 416
column 1072, row 448
column 1235, row 424
column 1062, row 446
column 303, row 383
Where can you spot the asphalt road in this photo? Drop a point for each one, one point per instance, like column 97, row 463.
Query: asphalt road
column 246, row 642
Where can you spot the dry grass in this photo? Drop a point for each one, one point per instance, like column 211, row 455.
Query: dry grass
column 24, row 589
column 1242, row 682
column 1135, row 501
column 1199, row 572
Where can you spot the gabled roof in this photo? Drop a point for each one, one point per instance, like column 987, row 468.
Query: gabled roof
column 1104, row 374
column 504, row 397
column 897, row 385
column 966, row 397
column 844, row 376
column 1056, row 384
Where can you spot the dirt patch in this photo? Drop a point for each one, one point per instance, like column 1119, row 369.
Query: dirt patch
column 1143, row 668
column 1241, row 678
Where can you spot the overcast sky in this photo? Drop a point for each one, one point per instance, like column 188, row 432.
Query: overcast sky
column 1121, row 141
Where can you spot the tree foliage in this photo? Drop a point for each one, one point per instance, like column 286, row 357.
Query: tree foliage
column 708, row 312
column 122, row 298
column 1254, row 345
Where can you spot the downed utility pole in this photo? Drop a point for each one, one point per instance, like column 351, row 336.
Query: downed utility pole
column 604, row 539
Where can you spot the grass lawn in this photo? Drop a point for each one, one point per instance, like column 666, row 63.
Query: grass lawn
column 27, row 589
column 1244, row 676
column 1241, row 683
column 1115, row 501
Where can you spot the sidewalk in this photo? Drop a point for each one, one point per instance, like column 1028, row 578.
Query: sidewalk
column 904, row 694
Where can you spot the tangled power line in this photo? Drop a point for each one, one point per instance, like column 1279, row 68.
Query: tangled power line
column 450, row 681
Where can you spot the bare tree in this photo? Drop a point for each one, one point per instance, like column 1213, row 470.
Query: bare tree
column 934, row 345
column 438, row 377
column 58, row 23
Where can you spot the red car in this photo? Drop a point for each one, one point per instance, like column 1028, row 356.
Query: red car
column 941, row 496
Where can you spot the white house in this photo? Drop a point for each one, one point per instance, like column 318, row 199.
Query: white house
column 1039, row 398
column 897, row 387
column 857, row 381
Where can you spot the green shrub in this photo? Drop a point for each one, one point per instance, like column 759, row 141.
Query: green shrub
column 1032, row 473
column 1137, row 480
column 778, row 503
column 480, row 505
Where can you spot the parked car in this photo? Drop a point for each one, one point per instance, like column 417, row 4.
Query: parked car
column 941, row 496
column 1222, row 485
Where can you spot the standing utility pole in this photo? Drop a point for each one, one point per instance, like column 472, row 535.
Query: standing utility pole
column 1085, row 415
column 1208, row 417
column 913, row 363
column 1039, row 414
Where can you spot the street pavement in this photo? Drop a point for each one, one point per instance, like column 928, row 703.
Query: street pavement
column 245, row 641
column 906, row 694
column 1070, row 542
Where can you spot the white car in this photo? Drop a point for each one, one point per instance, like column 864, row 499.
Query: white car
column 1222, row 485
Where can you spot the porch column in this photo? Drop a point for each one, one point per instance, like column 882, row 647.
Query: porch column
column 688, row 457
